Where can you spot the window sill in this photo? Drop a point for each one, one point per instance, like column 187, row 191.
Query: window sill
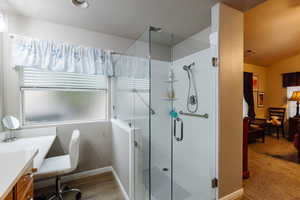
column 25, row 126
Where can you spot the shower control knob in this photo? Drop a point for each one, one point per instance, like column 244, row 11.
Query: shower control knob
column 193, row 100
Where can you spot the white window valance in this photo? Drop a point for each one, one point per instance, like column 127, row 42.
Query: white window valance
column 60, row 57
column 132, row 67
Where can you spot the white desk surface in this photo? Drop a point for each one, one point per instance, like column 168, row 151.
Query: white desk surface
column 16, row 156
column 13, row 165
column 42, row 144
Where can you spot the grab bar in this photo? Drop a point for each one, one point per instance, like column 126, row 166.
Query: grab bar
column 194, row 115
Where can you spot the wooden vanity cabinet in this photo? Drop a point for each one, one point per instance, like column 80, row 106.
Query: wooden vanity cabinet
column 23, row 189
column 10, row 196
column 24, row 186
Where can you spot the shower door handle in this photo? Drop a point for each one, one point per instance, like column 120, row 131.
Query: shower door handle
column 179, row 139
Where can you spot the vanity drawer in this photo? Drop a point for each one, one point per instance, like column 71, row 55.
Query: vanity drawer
column 26, row 194
column 29, row 194
column 10, row 196
column 24, row 185
column 24, row 181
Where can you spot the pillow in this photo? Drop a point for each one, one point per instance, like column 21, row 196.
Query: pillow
column 274, row 120
column 274, row 117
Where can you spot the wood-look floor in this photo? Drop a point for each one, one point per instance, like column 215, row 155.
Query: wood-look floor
column 272, row 178
column 99, row 187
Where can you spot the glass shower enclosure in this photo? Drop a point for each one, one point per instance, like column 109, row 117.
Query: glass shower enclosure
column 165, row 88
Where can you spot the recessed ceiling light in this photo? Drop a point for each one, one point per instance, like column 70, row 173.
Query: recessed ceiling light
column 80, row 3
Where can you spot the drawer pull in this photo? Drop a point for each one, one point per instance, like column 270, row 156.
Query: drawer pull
column 27, row 176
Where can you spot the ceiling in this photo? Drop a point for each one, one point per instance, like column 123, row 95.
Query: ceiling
column 126, row 18
column 272, row 31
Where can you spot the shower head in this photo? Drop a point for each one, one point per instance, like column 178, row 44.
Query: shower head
column 155, row 29
column 80, row 3
column 188, row 67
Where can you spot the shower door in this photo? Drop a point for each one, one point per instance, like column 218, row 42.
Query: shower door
column 194, row 156
column 182, row 145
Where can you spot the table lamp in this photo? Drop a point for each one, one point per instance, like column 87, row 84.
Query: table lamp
column 296, row 97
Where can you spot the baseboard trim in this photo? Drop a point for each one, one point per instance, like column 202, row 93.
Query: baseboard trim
column 71, row 177
column 233, row 196
column 84, row 174
column 125, row 195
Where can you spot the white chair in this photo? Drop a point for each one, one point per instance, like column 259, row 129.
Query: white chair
column 61, row 165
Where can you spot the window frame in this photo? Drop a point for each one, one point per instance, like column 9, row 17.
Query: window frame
column 288, row 103
column 66, row 122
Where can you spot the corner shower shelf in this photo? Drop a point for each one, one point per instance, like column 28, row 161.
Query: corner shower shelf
column 170, row 99
column 170, row 81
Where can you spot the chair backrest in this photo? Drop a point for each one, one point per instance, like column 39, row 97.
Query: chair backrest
column 277, row 112
column 74, row 149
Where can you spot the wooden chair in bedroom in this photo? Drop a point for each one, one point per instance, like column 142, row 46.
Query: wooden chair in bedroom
column 276, row 120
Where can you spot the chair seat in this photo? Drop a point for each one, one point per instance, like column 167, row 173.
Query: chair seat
column 54, row 166
column 254, row 126
column 274, row 122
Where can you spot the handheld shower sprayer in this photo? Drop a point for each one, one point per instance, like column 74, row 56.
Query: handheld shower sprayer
column 188, row 67
column 192, row 97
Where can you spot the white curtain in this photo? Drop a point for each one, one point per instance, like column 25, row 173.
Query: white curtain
column 61, row 57
column 245, row 108
column 131, row 67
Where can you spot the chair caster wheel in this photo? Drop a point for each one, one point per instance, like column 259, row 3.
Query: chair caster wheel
column 65, row 188
column 78, row 196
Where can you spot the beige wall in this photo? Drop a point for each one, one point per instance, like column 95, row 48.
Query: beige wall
column 270, row 81
column 276, row 93
column 261, row 72
column 230, row 99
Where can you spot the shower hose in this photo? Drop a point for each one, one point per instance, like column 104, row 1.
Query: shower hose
column 192, row 99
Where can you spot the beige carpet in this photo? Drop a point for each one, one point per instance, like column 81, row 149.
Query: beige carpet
column 100, row 187
column 272, row 178
column 282, row 148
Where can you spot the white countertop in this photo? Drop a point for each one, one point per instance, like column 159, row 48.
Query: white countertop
column 13, row 165
column 42, row 144
column 16, row 156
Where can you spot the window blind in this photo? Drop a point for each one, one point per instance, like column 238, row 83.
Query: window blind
column 139, row 84
column 291, row 105
column 128, row 84
column 37, row 78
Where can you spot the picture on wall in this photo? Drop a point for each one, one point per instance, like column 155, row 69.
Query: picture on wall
column 255, row 83
column 260, row 99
